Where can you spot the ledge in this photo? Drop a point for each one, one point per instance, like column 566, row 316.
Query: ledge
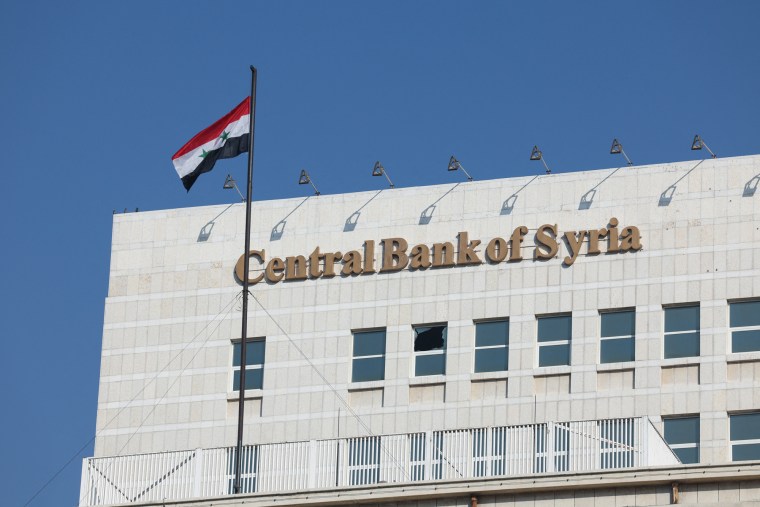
column 544, row 371
column 742, row 357
column 366, row 386
column 681, row 361
column 628, row 365
column 427, row 380
column 489, row 375
column 250, row 394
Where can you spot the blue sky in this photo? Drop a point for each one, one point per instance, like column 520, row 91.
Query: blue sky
column 96, row 96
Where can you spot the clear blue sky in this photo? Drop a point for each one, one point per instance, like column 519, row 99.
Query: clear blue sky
column 96, row 96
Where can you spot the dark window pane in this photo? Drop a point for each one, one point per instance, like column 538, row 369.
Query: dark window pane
column 429, row 338
column 617, row 350
column 687, row 455
column 369, row 343
column 745, row 341
column 619, row 324
column 554, row 355
column 491, row 359
column 682, row 345
column 745, row 452
column 682, row 430
column 430, row 365
column 491, row 333
column 372, row 368
column 746, row 313
column 254, row 352
column 682, row 318
column 554, row 328
column 745, row 426
column 253, row 379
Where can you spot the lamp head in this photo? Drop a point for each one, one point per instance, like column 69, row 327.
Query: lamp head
column 378, row 170
column 536, row 153
column 616, row 148
column 229, row 183
column 304, row 178
column 454, row 164
column 697, row 143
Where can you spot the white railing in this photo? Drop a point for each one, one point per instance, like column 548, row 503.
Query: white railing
column 433, row 455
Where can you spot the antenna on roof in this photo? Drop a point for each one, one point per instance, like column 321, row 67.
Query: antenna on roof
column 617, row 148
column 304, row 179
column 454, row 164
column 537, row 154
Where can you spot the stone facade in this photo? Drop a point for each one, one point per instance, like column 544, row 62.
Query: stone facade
column 171, row 311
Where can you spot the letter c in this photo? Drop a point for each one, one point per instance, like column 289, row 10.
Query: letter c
column 240, row 266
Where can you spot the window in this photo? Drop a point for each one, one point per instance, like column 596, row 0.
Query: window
column 369, row 356
column 682, row 331
column 491, row 346
column 745, row 326
column 429, row 350
column 254, row 360
column 618, row 330
column 745, row 436
column 554, row 340
column 682, row 435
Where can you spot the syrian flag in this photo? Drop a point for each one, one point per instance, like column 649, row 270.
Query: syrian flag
column 226, row 138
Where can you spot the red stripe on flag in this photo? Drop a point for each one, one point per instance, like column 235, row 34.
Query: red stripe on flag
column 215, row 130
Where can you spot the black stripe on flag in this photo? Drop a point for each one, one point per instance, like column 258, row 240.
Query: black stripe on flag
column 233, row 147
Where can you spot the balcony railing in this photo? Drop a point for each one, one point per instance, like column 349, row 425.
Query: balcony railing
column 545, row 448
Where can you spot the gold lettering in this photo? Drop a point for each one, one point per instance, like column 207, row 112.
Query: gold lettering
column 515, row 243
column 394, row 254
column 419, row 257
column 330, row 259
column 497, row 250
column 314, row 258
column 240, row 266
column 574, row 243
column 295, row 268
column 467, row 255
column 443, row 255
column 352, row 263
column 630, row 239
column 369, row 257
column 274, row 270
column 613, row 236
column 546, row 245
column 594, row 236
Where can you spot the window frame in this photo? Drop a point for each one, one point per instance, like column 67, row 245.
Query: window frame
column 421, row 353
column 603, row 338
column 354, row 357
column 564, row 341
column 477, row 348
column 249, row 367
column 689, row 445
column 733, row 329
column 666, row 334
column 748, row 441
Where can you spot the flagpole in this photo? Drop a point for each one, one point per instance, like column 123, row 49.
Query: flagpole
column 244, row 332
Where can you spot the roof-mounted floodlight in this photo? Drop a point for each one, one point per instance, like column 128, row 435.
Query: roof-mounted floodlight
column 454, row 164
column 229, row 184
column 537, row 154
column 304, row 179
column 617, row 149
column 698, row 143
column 379, row 170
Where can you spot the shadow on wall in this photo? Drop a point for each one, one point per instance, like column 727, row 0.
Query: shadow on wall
column 352, row 220
column 667, row 196
column 509, row 204
column 205, row 231
column 279, row 227
column 588, row 198
column 751, row 186
column 427, row 213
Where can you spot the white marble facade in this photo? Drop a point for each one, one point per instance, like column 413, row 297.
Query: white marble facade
column 171, row 314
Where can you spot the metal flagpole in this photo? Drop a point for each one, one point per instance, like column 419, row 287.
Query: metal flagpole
column 244, row 332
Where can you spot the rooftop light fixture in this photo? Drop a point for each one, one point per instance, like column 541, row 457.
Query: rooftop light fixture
column 229, row 184
column 379, row 170
column 537, row 154
column 454, row 164
column 698, row 143
column 617, row 148
column 304, row 179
